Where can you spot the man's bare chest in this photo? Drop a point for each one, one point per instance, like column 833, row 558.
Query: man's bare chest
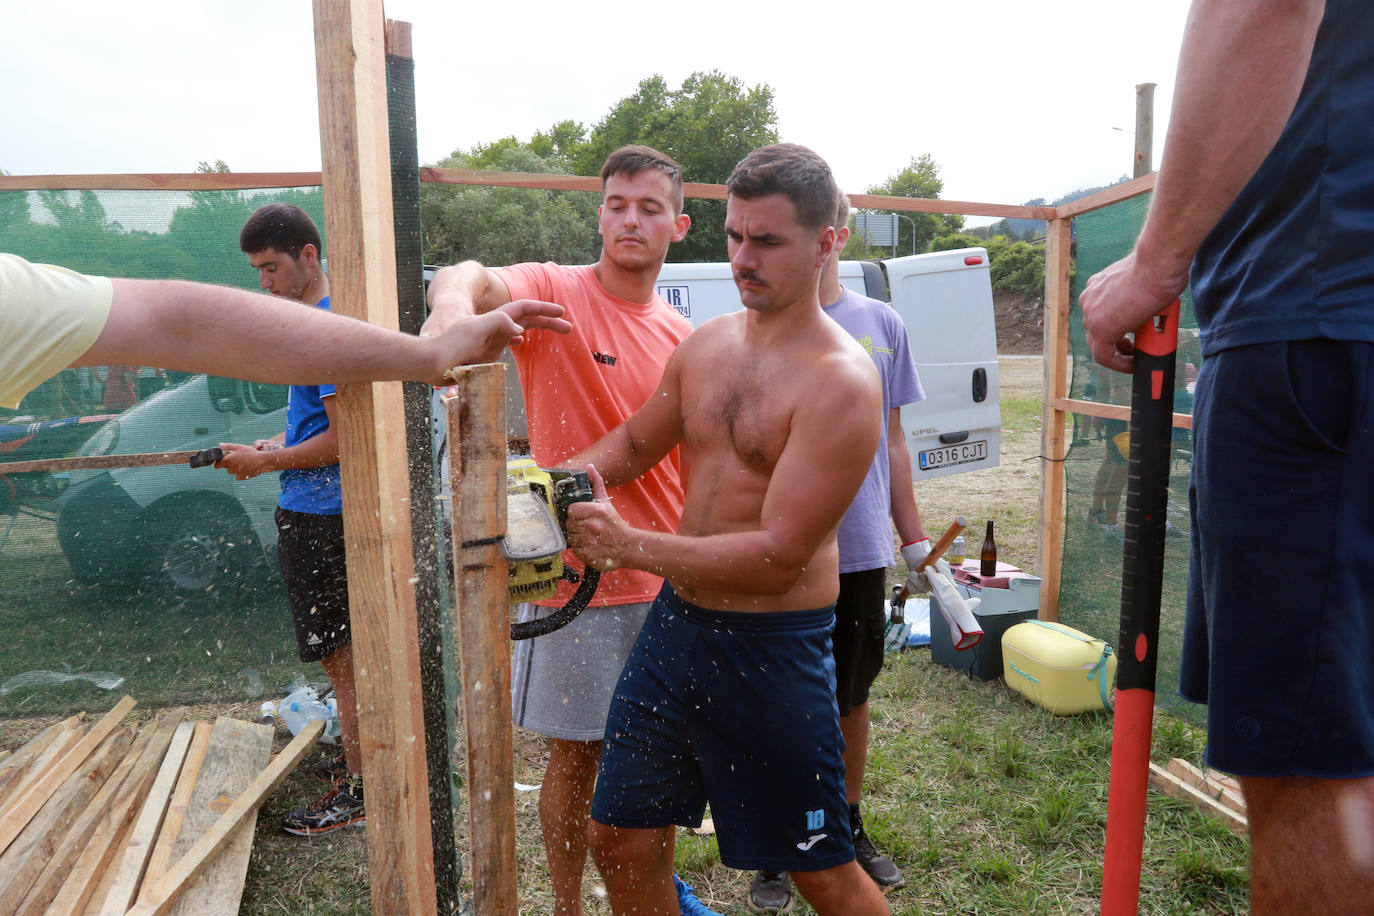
column 744, row 409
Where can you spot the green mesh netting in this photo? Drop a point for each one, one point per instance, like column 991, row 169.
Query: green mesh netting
column 164, row 577
column 1090, row 585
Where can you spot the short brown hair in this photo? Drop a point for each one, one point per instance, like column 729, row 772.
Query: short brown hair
column 282, row 227
column 635, row 158
column 842, row 211
column 793, row 171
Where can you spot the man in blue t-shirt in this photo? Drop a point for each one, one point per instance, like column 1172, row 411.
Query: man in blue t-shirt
column 283, row 245
column 1267, row 195
column 865, row 542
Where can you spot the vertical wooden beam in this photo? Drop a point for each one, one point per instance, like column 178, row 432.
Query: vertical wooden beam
column 477, row 458
column 1058, row 257
column 356, row 170
column 410, row 295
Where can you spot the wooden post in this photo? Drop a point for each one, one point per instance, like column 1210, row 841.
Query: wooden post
column 1052, row 446
column 356, row 170
column 477, row 459
column 1144, row 129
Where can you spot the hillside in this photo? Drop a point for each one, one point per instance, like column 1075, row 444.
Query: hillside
column 1020, row 323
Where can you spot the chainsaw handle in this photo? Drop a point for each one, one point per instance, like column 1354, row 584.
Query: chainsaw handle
column 542, row 626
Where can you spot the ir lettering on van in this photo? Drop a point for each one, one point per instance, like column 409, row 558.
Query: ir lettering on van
column 679, row 297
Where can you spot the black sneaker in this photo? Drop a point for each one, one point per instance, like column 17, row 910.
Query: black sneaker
column 331, row 769
column 880, row 868
column 341, row 806
column 771, row 892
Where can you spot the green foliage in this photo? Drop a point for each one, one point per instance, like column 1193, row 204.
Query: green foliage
column 1017, row 267
column 509, row 225
column 708, row 125
column 921, row 178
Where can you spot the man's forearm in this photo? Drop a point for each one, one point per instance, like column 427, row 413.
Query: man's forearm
column 1241, row 69
column 222, row 331
column 456, row 292
column 905, row 516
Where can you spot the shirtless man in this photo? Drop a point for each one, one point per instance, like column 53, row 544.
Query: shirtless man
column 729, row 692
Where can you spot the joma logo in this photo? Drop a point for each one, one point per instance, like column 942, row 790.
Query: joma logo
column 604, row 358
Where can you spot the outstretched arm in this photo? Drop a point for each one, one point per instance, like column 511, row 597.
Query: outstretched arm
column 1240, row 71
column 195, row 327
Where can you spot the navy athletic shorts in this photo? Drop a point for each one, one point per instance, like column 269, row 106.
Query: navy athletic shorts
column 1279, row 636
column 737, row 709
column 860, row 623
column 311, row 551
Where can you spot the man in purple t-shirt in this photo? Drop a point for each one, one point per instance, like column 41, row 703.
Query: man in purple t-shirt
column 865, row 541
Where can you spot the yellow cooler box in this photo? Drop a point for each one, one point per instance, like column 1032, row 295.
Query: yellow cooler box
column 1062, row 669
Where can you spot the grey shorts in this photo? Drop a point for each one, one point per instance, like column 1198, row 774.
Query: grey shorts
column 561, row 684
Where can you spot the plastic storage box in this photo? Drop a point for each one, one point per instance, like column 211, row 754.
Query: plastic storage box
column 1011, row 598
column 1059, row 668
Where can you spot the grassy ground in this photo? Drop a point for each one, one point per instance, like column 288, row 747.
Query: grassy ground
column 989, row 804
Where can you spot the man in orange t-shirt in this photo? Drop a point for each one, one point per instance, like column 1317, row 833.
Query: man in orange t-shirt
column 577, row 388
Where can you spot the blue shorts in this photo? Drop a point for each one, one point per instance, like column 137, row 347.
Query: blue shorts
column 737, row 709
column 1279, row 635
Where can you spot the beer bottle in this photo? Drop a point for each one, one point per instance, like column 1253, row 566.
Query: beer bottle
column 987, row 566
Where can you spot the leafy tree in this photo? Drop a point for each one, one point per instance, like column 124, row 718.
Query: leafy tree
column 509, row 225
column 708, row 125
column 920, row 179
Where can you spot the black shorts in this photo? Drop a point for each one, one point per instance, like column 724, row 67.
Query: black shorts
column 860, row 622
column 311, row 550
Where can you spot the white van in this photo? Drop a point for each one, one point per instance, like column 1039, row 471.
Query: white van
column 945, row 301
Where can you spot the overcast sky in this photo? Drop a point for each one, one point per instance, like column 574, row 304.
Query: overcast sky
column 1014, row 100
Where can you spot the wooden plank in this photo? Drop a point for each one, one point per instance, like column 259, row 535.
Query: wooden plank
column 160, row 897
column 83, row 884
column 1199, row 780
column 129, row 870
column 64, row 857
column 24, row 860
column 1053, row 444
column 34, row 795
column 1124, row 191
column 141, row 460
column 356, row 157
column 1112, row 411
column 169, row 181
column 238, row 752
column 161, row 856
column 1222, row 779
column 476, row 419
column 42, row 765
column 15, row 769
column 1169, row 784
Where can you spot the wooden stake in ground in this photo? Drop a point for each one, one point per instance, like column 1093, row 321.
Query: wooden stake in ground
column 477, row 487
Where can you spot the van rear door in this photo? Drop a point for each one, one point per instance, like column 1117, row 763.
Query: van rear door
column 945, row 300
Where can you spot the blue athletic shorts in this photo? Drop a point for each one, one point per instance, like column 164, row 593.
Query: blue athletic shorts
column 739, row 710
column 1279, row 635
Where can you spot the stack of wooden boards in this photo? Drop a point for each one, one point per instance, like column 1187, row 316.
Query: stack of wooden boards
column 144, row 821
column 1211, row 792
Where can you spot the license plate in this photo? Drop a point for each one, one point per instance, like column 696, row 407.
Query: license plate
column 946, row 455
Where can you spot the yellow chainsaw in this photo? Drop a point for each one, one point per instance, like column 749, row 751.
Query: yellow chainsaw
column 537, row 503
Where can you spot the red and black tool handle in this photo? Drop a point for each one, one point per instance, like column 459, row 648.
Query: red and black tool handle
column 1142, row 576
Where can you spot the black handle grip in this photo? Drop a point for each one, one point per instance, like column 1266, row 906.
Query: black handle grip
column 205, row 457
column 1147, row 497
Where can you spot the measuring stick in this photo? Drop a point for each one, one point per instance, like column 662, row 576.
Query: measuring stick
column 196, row 459
column 1142, row 576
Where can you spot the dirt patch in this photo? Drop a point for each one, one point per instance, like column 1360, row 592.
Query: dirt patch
column 1020, row 323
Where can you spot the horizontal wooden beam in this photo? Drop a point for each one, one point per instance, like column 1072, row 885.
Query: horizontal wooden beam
column 1115, row 194
column 955, row 207
column 1112, row 411
column 188, row 181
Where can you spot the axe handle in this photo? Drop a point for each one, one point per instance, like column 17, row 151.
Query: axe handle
column 937, row 550
column 195, row 459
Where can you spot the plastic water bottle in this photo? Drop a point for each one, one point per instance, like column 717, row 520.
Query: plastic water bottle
column 302, row 706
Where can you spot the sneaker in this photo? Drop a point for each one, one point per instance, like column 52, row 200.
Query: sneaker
column 687, row 901
column 341, row 806
column 771, row 892
column 331, row 769
column 880, row 868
